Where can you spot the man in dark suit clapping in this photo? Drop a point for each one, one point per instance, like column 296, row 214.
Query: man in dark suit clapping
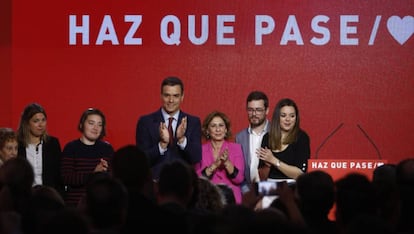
column 161, row 144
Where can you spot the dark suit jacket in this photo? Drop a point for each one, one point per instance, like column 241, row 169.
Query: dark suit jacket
column 51, row 157
column 148, row 137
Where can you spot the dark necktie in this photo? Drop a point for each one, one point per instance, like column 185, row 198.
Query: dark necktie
column 170, row 130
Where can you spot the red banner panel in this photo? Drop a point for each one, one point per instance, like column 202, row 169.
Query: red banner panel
column 338, row 168
column 347, row 63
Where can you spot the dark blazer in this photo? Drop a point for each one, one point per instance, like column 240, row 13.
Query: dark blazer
column 51, row 157
column 148, row 137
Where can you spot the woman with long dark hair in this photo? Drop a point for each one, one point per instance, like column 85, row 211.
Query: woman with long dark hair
column 286, row 147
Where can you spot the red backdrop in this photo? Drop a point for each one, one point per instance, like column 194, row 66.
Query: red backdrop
column 349, row 65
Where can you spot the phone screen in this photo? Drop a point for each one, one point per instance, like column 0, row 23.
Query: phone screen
column 266, row 188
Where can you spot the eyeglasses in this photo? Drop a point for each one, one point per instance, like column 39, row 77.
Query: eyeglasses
column 257, row 110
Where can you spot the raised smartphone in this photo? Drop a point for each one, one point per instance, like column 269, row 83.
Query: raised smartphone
column 266, row 188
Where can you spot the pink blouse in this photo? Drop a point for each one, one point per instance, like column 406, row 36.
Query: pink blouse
column 220, row 176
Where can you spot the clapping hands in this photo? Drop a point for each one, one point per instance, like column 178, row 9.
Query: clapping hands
column 102, row 166
column 222, row 159
column 182, row 128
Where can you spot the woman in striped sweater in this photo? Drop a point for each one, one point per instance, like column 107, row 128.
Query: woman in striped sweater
column 85, row 156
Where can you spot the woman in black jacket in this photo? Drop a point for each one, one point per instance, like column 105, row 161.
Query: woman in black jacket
column 39, row 148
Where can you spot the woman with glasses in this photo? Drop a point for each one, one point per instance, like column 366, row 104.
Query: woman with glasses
column 222, row 161
column 286, row 147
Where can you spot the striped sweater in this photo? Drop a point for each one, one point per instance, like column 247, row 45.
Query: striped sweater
column 78, row 163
